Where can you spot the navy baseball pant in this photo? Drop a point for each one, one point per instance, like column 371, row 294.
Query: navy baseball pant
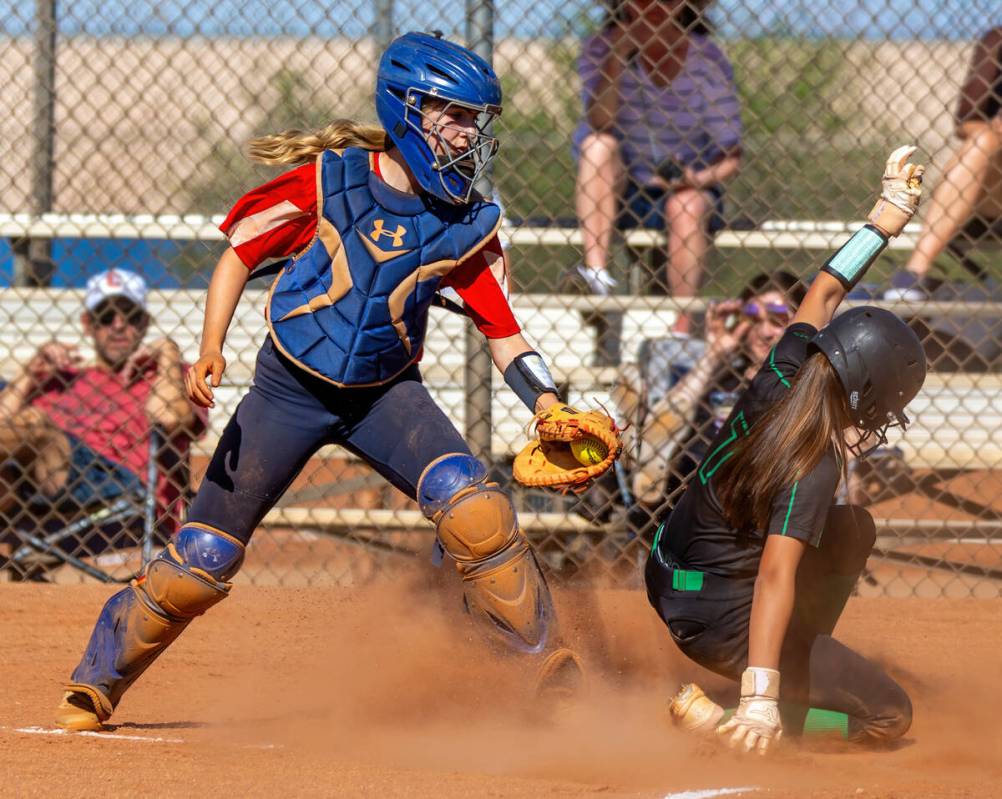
column 289, row 414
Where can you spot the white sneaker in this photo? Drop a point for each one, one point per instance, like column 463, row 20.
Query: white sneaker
column 599, row 280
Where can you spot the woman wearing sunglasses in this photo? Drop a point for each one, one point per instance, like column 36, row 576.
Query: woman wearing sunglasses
column 675, row 399
column 754, row 566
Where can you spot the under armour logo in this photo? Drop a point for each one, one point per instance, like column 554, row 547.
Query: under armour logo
column 397, row 235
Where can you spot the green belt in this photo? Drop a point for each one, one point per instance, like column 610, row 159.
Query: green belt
column 685, row 580
column 681, row 579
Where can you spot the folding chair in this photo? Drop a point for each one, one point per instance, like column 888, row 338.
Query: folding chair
column 121, row 514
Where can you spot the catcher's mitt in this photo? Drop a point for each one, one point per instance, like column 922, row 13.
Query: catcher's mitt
column 549, row 460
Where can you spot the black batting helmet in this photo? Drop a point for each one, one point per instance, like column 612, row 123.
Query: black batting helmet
column 879, row 361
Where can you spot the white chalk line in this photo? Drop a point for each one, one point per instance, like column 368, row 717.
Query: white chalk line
column 115, row 736
column 709, row 793
column 118, row 736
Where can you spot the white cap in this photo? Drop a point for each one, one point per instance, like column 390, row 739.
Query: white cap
column 115, row 283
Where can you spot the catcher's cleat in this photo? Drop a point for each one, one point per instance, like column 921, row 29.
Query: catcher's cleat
column 76, row 712
column 693, row 711
column 560, row 682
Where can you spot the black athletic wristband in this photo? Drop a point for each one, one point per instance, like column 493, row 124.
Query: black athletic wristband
column 852, row 259
column 529, row 378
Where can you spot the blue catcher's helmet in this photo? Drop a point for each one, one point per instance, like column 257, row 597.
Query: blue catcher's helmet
column 416, row 68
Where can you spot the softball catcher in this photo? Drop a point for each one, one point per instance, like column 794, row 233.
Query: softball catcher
column 370, row 224
column 753, row 568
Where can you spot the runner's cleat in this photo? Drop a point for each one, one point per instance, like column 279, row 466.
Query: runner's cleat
column 693, row 711
column 560, row 683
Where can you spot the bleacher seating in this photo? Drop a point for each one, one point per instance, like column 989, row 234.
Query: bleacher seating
column 956, row 416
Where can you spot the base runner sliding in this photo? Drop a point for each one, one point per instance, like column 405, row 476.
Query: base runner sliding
column 753, row 567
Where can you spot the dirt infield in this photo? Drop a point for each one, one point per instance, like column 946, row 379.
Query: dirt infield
column 383, row 690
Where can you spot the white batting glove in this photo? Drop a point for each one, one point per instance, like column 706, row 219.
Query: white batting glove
column 756, row 725
column 900, row 194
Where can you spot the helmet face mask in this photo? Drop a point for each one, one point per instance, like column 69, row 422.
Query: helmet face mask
column 457, row 169
column 870, row 439
column 431, row 94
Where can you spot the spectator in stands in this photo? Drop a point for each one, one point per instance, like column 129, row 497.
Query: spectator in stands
column 80, row 434
column 660, row 137
column 676, row 409
column 971, row 184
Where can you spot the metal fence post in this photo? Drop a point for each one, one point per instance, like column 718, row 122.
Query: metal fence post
column 33, row 257
column 382, row 27
column 478, row 372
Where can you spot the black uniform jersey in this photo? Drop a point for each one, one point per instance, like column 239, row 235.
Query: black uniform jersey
column 697, row 535
column 712, row 410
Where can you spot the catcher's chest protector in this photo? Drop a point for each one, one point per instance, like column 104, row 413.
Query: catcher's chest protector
column 353, row 307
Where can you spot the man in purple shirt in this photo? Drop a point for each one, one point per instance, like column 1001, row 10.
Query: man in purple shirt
column 660, row 135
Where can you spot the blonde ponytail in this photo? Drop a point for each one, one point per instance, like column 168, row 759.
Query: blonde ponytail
column 301, row 147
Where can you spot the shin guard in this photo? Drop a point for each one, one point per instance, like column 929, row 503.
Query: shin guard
column 503, row 585
column 139, row 622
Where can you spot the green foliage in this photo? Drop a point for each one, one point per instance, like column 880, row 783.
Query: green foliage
column 803, row 157
column 535, row 170
column 287, row 103
column 787, row 86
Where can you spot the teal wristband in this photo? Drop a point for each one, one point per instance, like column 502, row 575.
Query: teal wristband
column 853, row 258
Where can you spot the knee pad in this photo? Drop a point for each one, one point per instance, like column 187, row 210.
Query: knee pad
column 474, row 519
column 189, row 576
column 476, row 525
column 445, row 477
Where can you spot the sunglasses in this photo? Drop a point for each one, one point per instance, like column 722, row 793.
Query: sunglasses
column 105, row 317
column 776, row 312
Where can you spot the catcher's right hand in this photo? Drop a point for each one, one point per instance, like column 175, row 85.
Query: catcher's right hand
column 900, row 193
column 550, row 461
column 211, row 365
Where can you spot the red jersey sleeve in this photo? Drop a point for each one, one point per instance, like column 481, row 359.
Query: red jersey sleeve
column 482, row 283
column 275, row 220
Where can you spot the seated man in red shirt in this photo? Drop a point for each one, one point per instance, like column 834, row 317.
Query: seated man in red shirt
column 79, row 434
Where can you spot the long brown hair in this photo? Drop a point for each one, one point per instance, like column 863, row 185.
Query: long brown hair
column 784, row 444
column 301, row 147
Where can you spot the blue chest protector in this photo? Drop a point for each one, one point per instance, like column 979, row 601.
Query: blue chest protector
column 353, row 308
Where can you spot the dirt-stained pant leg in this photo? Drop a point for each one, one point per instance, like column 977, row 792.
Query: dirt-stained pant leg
column 276, row 429
column 819, row 671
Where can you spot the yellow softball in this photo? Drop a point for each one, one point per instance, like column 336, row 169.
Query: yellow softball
column 589, row 451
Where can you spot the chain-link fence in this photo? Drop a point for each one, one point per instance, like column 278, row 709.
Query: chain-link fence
column 656, row 158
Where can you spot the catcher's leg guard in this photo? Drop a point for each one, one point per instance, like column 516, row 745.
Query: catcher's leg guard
column 503, row 585
column 140, row 621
